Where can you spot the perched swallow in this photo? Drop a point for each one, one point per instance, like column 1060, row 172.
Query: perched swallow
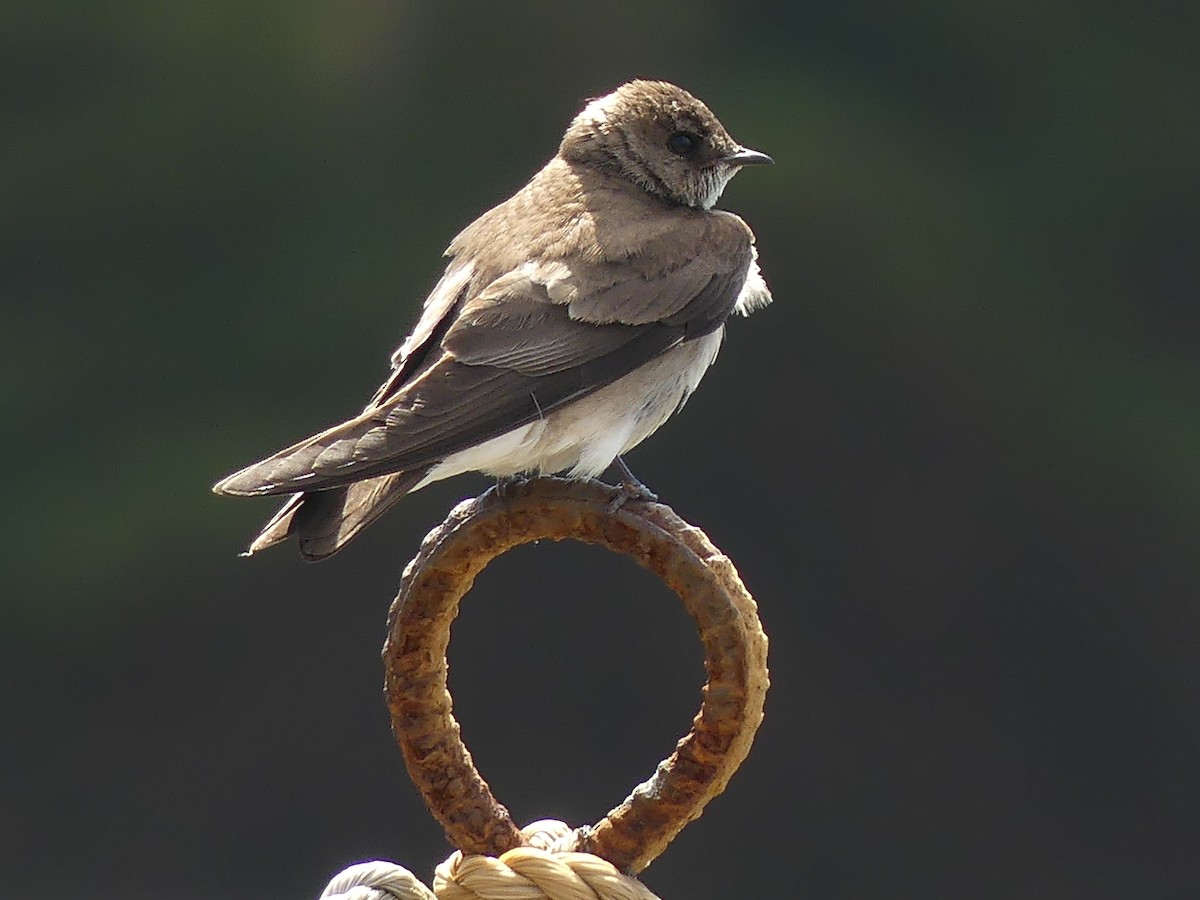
column 572, row 320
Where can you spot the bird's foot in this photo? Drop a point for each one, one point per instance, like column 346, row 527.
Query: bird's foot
column 630, row 488
column 505, row 482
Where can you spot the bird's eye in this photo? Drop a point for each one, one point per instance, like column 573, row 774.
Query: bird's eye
column 683, row 143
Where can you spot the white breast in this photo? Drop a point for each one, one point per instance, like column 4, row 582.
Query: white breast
column 584, row 437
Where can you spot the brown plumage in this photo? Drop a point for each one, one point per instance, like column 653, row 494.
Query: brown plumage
column 572, row 319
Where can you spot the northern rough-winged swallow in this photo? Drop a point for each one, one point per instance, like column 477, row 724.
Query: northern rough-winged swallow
column 572, row 320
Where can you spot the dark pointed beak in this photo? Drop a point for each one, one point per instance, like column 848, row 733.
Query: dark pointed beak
column 744, row 156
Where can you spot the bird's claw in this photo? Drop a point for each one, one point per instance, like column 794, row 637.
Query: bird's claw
column 630, row 488
column 505, row 482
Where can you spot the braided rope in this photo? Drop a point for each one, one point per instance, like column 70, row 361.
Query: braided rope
column 376, row 880
column 534, row 872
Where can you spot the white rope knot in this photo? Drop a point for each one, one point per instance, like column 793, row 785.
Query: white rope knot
column 546, row 869
column 376, row 880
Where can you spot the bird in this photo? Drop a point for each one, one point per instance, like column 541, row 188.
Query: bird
column 571, row 321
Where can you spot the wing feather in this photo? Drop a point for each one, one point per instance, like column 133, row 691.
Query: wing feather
column 485, row 360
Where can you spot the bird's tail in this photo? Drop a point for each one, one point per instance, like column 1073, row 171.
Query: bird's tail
column 325, row 521
column 317, row 463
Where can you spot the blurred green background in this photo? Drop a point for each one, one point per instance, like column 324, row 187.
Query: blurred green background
column 957, row 461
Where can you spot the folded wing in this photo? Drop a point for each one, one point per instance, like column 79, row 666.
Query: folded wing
column 516, row 348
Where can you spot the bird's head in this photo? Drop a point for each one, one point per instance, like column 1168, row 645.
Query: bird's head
column 660, row 137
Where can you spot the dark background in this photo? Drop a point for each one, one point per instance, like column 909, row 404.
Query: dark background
column 957, row 461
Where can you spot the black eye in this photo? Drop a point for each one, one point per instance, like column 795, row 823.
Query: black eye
column 683, row 143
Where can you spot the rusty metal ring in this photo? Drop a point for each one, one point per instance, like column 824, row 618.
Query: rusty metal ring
column 633, row 834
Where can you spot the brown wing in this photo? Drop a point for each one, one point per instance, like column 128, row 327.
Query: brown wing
column 436, row 317
column 528, row 343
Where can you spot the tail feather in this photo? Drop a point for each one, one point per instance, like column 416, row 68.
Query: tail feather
column 281, row 525
column 325, row 521
column 316, row 463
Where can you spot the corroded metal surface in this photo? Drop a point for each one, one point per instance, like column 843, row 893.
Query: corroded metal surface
column 474, row 533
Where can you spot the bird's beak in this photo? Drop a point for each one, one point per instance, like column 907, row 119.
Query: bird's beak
column 744, row 156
